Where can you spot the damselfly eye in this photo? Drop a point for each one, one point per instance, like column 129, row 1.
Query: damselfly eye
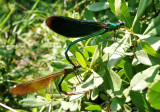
column 121, row 23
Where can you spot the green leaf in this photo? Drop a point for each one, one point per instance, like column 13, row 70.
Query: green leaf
column 58, row 65
column 117, row 104
column 94, row 93
column 120, row 9
column 146, row 59
column 115, row 83
column 112, row 5
column 88, row 14
column 65, row 86
column 105, row 83
column 5, row 20
column 137, row 28
column 96, row 55
column 128, row 70
column 98, row 6
column 139, row 100
column 141, row 8
column 48, row 97
column 153, row 25
column 82, row 61
column 153, row 95
column 27, row 19
column 89, row 103
column 104, row 97
column 132, row 4
column 154, row 41
column 94, row 108
column 90, row 49
column 144, row 78
column 154, row 31
column 146, row 47
column 121, row 72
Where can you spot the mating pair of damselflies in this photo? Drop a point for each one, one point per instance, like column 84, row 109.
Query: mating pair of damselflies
column 68, row 27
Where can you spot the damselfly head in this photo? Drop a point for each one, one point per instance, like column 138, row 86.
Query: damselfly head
column 121, row 23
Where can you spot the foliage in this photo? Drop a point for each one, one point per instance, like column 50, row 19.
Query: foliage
column 121, row 75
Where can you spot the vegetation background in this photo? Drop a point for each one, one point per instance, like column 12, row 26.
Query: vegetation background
column 122, row 75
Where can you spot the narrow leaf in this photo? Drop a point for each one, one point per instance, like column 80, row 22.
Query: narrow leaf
column 154, row 31
column 81, row 60
column 128, row 70
column 155, row 22
column 141, row 8
column 27, row 18
column 146, row 59
column 96, row 55
column 146, row 47
column 94, row 93
column 154, row 41
column 120, row 9
column 5, row 20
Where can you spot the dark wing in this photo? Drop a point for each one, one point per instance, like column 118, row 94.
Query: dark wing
column 72, row 27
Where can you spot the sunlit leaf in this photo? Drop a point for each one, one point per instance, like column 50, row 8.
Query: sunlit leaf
column 97, row 79
column 155, row 22
column 117, row 51
column 94, row 108
column 146, row 47
column 146, row 59
column 143, row 79
column 96, row 55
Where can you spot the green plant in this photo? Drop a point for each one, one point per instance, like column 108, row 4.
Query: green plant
column 121, row 75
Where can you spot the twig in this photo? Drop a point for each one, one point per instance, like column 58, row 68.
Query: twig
column 21, row 6
column 7, row 107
